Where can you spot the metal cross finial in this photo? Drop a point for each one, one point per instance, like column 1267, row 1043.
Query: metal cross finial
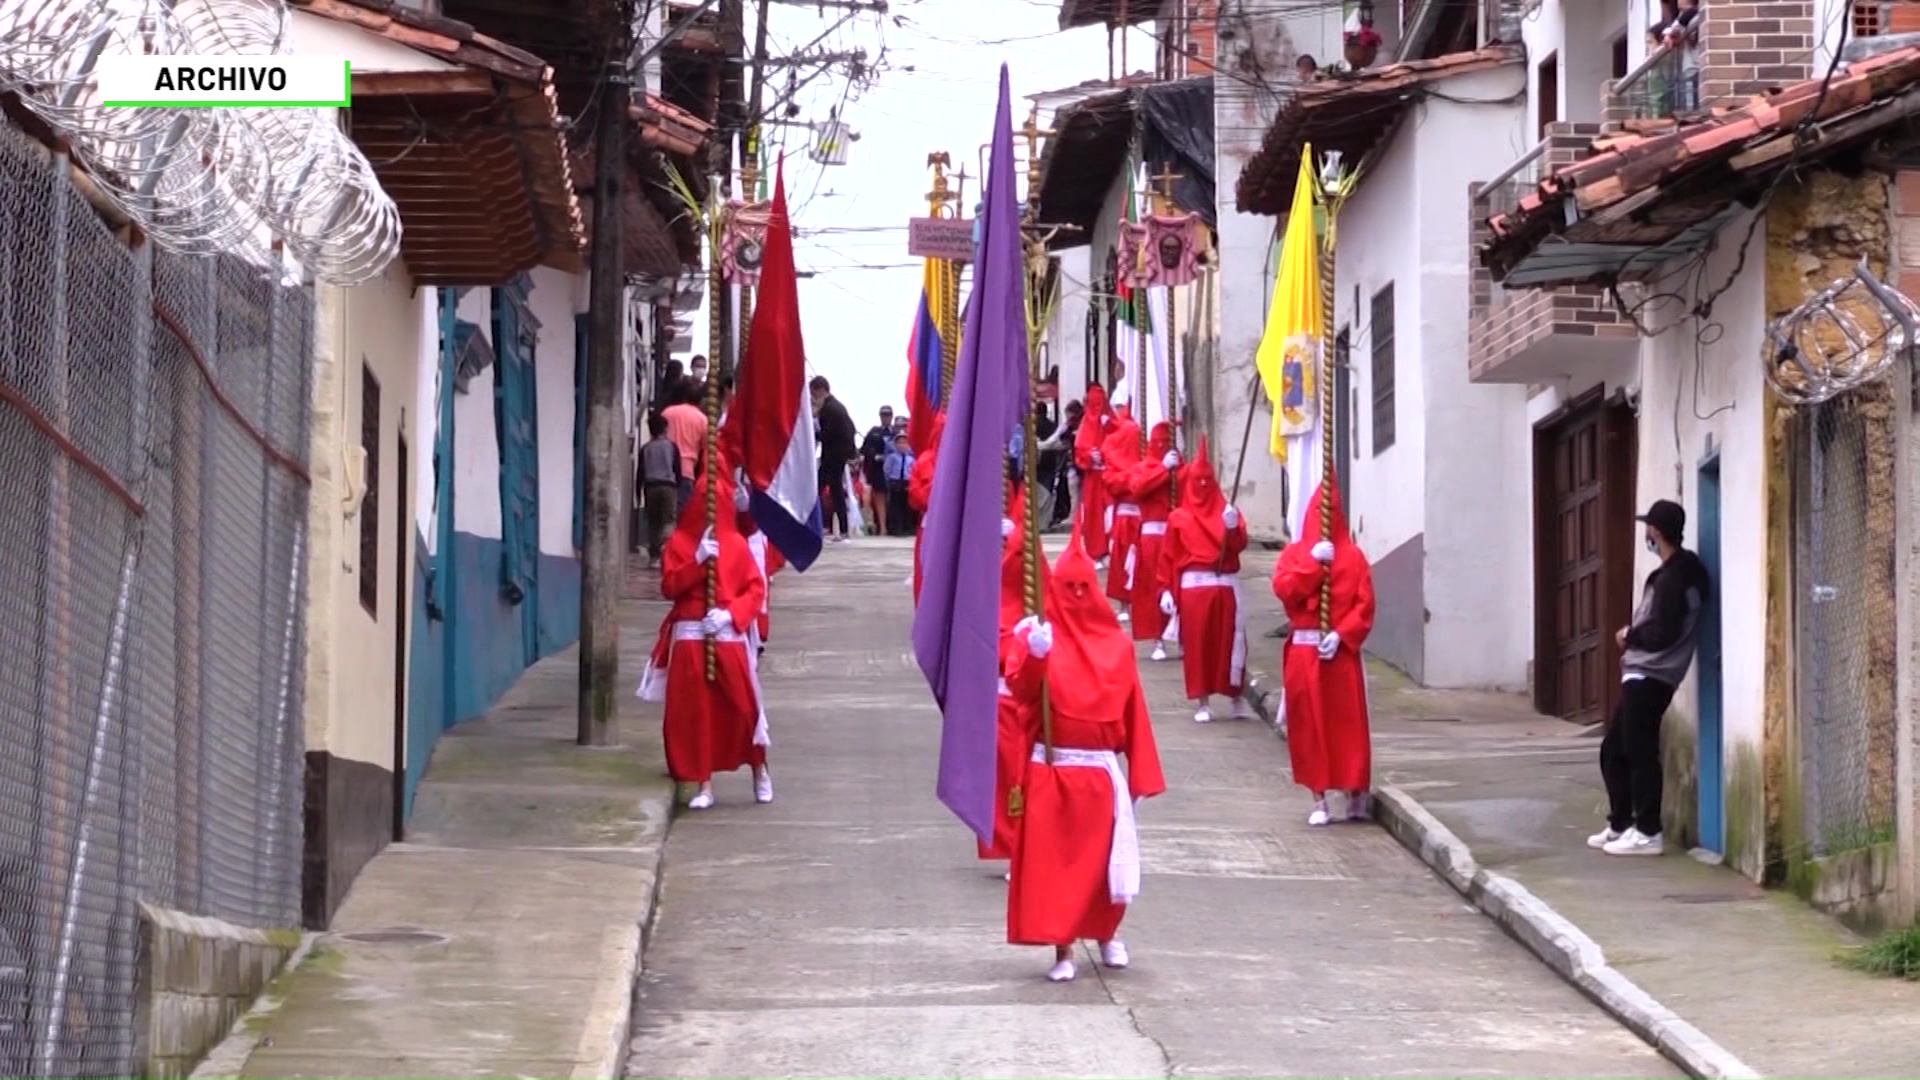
column 942, row 192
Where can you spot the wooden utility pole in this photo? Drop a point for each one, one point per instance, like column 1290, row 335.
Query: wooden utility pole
column 604, row 550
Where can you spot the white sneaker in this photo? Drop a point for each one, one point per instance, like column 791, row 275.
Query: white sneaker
column 1008, row 877
column 1114, row 954
column 1602, row 838
column 702, row 801
column 1357, row 806
column 1125, row 618
column 1061, row 972
column 1242, row 709
column 1319, row 816
column 1203, row 715
column 1635, row 842
column 1159, row 652
column 762, row 785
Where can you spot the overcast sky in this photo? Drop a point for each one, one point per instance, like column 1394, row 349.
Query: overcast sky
column 852, row 217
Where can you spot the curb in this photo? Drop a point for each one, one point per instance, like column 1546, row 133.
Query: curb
column 1558, row 943
column 624, row 980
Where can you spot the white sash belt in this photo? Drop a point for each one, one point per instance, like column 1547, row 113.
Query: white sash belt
column 1308, row 638
column 1127, row 509
column 1206, row 579
column 696, row 630
column 1153, row 528
column 1123, row 857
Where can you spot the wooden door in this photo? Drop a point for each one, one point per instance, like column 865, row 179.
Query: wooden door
column 1584, row 464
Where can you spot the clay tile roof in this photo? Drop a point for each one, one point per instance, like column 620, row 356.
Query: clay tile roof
column 475, row 158
column 1350, row 113
column 666, row 126
column 447, row 39
column 1708, row 157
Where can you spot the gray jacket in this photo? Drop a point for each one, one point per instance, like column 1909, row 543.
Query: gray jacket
column 1664, row 634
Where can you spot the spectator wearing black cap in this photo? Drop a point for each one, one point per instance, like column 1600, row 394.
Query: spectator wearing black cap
column 1655, row 653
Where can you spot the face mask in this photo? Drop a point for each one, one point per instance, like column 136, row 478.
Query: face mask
column 1653, row 545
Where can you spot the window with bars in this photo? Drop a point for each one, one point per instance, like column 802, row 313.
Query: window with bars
column 370, row 505
column 1380, row 330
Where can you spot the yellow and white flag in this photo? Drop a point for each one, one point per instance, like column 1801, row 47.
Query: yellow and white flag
column 1288, row 359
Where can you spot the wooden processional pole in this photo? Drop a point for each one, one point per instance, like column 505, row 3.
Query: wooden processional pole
column 1332, row 192
column 1034, row 252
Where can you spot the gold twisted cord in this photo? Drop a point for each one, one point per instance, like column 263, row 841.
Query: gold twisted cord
column 716, row 315
column 1326, row 410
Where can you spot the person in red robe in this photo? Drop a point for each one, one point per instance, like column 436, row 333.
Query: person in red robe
column 1324, row 676
column 1014, row 742
column 718, row 725
column 1122, row 451
column 920, row 492
column 1200, row 563
column 1076, row 857
column 1150, row 485
column 1093, row 503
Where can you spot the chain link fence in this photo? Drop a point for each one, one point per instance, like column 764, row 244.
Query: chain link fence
column 153, row 433
column 1845, row 594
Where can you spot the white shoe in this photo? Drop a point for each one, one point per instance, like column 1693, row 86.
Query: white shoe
column 1357, row 806
column 1125, row 618
column 1114, row 954
column 1008, row 877
column 1602, row 838
column 1159, row 652
column 1242, row 709
column 1203, row 715
column 1635, row 842
column 702, row 801
column 762, row 785
column 1061, row 972
column 1319, row 816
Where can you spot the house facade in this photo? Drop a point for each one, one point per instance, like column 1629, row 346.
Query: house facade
column 1647, row 272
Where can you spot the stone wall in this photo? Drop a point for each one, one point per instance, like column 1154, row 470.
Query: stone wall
column 197, row 976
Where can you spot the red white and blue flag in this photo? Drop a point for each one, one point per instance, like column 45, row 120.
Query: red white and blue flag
column 925, row 350
column 769, row 434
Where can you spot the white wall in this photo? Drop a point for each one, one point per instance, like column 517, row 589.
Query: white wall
column 553, row 303
column 1676, row 422
column 1067, row 327
column 1582, row 35
column 476, row 451
column 426, row 415
column 1408, row 226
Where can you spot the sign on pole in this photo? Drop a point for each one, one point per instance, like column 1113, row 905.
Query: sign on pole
column 940, row 238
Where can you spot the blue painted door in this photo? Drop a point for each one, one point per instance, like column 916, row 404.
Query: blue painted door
column 517, row 424
column 1712, row 746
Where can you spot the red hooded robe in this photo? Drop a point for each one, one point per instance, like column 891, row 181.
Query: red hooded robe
column 1326, row 699
column 1200, row 564
column 1095, row 424
column 1122, row 452
column 712, row 726
column 1150, row 486
column 1014, row 743
column 920, row 493
column 1062, row 889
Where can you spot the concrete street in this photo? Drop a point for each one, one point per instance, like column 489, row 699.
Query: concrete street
column 848, row 931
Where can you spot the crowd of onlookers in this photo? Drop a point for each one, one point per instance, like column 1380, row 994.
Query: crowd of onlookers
column 864, row 481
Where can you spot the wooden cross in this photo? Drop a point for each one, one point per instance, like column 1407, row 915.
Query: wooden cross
column 1032, row 132
column 1164, row 197
column 961, row 176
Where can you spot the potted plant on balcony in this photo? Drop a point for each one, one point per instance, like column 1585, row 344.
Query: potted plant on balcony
column 1362, row 45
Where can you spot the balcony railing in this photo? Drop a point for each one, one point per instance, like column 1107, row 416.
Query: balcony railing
column 1503, row 193
column 1665, row 85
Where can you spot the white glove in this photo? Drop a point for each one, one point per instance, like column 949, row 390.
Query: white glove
column 1099, row 460
column 1006, row 528
column 717, row 622
column 1166, row 604
column 1329, row 644
column 1171, row 461
column 1040, row 641
column 1026, row 626
column 708, row 550
column 1323, row 552
column 740, row 499
column 1230, row 517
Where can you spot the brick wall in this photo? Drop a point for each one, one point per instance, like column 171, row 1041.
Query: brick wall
column 1748, row 48
column 1506, row 322
column 198, row 975
column 1906, row 231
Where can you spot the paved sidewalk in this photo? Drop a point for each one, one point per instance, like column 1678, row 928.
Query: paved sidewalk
column 502, row 939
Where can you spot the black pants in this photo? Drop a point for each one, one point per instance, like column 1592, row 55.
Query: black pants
column 1630, row 756
column 899, row 513
column 833, row 481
